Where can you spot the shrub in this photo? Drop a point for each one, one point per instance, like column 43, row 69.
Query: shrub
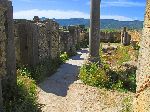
column 25, row 99
column 121, row 80
column 63, row 57
column 93, row 75
column 45, row 68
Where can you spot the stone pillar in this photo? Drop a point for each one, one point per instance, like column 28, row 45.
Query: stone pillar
column 10, row 47
column 95, row 30
column 7, row 51
column 142, row 101
column 53, row 37
column 73, row 34
column 125, row 37
column 1, row 98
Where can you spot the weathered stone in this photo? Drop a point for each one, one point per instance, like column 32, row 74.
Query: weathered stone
column 28, row 35
column 36, row 19
column 1, row 98
column 73, row 34
column 43, row 42
column 95, row 30
column 125, row 37
column 110, row 37
column 65, row 41
column 53, row 35
column 7, row 49
column 142, row 101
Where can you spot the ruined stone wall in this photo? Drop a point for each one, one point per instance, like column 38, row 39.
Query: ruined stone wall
column 2, row 48
column 36, row 41
column 53, row 35
column 142, row 101
column 7, row 49
column 135, row 35
column 110, row 36
column 66, row 41
column 43, row 42
column 28, row 43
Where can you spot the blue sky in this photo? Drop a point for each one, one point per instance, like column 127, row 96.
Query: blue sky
column 124, row 10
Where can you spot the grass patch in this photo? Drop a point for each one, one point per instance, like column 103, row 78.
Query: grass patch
column 120, row 55
column 103, row 77
column 112, row 75
column 127, row 105
column 25, row 98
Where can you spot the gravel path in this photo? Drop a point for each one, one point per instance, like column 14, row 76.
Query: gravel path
column 63, row 92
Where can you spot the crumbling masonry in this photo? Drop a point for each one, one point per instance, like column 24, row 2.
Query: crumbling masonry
column 7, row 51
column 142, row 101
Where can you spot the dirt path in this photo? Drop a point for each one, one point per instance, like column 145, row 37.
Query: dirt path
column 63, row 92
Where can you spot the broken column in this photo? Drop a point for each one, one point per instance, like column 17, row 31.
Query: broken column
column 73, row 34
column 7, row 50
column 95, row 30
column 142, row 101
column 125, row 37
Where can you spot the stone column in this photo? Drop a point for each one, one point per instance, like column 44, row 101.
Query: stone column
column 142, row 101
column 95, row 30
column 1, row 98
column 72, row 31
column 10, row 49
column 125, row 37
column 7, row 51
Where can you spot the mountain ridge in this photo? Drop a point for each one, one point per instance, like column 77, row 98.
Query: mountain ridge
column 105, row 23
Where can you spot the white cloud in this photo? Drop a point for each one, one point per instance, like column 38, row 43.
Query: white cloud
column 29, row 14
column 62, row 14
column 116, row 17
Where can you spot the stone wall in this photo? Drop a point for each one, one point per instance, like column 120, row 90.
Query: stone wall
column 7, row 49
column 27, row 50
column 135, row 35
column 53, row 35
column 110, row 36
column 36, row 41
column 43, row 42
column 142, row 101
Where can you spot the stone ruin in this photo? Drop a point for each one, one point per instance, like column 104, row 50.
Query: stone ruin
column 125, row 37
column 31, row 42
column 7, row 51
column 113, row 37
column 36, row 40
column 142, row 100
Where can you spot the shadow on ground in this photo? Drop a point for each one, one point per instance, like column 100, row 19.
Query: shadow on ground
column 59, row 82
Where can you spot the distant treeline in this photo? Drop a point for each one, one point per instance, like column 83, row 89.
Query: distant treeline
column 105, row 23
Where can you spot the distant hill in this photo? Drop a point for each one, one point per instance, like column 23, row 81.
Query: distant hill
column 105, row 23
